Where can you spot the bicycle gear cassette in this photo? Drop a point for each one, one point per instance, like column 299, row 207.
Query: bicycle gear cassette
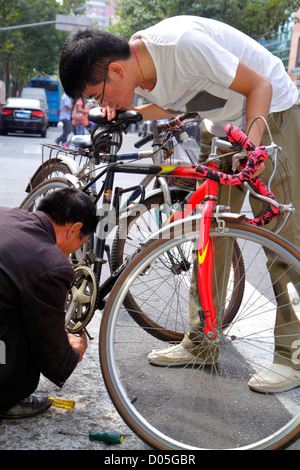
column 81, row 300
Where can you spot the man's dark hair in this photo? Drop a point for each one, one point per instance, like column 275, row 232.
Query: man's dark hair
column 85, row 57
column 70, row 205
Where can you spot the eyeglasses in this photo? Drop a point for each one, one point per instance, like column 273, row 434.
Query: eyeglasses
column 103, row 89
column 95, row 101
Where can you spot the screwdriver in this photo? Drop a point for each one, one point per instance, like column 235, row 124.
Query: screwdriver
column 61, row 403
column 108, row 437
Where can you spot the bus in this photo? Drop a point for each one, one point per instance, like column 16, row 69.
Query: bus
column 52, row 89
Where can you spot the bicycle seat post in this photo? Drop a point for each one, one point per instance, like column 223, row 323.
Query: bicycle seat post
column 115, row 144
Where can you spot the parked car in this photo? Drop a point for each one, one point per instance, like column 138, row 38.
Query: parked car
column 36, row 94
column 24, row 115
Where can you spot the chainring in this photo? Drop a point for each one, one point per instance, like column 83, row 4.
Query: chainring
column 81, row 299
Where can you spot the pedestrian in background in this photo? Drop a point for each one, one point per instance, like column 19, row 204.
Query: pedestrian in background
column 79, row 117
column 65, row 117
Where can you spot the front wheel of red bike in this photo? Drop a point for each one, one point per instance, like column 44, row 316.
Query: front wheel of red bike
column 199, row 403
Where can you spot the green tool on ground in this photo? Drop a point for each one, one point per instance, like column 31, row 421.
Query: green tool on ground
column 107, row 437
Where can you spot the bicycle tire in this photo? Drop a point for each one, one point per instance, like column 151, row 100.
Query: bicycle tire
column 135, row 229
column 202, row 406
column 51, row 169
column 31, row 201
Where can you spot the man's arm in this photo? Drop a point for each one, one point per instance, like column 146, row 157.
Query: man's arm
column 148, row 111
column 44, row 321
column 152, row 111
column 258, row 91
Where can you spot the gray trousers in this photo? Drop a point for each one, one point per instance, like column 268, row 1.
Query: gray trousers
column 285, row 129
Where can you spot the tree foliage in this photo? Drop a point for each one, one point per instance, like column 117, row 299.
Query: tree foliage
column 257, row 18
column 34, row 51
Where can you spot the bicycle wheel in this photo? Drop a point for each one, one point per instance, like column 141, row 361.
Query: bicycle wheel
column 31, row 203
column 32, row 200
column 51, row 169
column 205, row 406
column 145, row 220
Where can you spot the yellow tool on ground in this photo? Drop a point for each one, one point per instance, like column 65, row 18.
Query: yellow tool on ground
column 61, row 403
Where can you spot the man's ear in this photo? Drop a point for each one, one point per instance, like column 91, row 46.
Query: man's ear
column 74, row 230
column 115, row 70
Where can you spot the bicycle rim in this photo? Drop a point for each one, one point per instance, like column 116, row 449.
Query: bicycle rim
column 201, row 406
column 32, row 200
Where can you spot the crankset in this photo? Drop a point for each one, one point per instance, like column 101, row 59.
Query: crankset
column 81, row 300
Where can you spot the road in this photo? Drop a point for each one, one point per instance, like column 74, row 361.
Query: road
column 55, row 429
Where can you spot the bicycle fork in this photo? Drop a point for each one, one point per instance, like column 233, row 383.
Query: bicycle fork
column 207, row 192
column 205, row 266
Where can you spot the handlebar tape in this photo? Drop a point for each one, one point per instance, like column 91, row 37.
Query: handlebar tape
column 256, row 156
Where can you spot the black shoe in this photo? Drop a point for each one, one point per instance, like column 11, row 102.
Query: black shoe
column 31, row 406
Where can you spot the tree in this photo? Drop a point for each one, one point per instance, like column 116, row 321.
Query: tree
column 34, row 51
column 257, row 18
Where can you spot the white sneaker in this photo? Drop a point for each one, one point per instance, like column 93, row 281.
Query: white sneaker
column 175, row 356
column 277, row 378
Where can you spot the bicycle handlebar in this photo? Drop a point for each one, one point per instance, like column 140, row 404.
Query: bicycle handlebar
column 177, row 121
column 256, row 156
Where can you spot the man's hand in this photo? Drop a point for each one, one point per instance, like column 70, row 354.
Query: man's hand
column 109, row 112
column 79, row 343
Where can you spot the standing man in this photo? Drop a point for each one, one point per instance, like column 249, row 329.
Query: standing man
column 193, row 64
column 65, row 117
column 35, row 276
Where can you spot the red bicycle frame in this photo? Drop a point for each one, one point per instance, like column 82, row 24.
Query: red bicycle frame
column 207, row 192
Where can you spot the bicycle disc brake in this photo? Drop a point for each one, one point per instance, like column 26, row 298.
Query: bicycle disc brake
column 81, row 300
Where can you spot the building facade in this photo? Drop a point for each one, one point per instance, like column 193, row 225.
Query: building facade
column 100, row 11
column 286, row 45
column 294, row 58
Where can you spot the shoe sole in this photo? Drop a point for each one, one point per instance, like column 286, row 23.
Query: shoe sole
column 24, row 415
column 273, row 389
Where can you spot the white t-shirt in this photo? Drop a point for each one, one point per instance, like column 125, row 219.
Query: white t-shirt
column 196, row 60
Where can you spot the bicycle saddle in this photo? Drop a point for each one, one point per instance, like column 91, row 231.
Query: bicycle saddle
column 81, row 141
column 123, row 118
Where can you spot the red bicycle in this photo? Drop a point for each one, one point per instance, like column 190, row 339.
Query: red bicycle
column 206, row 404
